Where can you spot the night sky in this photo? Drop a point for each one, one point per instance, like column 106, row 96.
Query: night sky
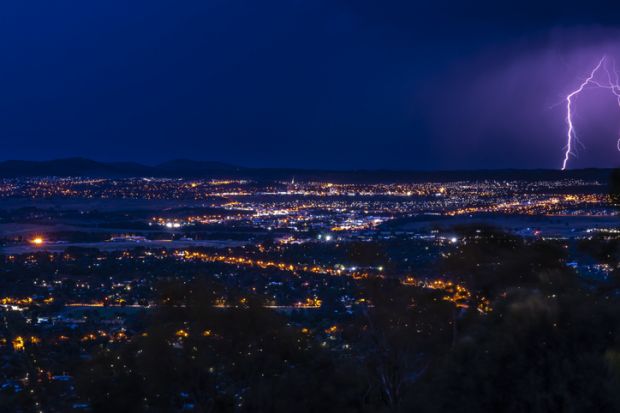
column 306, row 83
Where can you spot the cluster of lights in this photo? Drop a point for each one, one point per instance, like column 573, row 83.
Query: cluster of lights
column 457, row 294
column 265, row 264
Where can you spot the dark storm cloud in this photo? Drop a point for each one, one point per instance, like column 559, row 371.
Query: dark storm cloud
column 308, row 83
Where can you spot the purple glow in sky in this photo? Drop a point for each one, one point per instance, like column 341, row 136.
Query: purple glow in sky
column 513, row 106
column 610, row 81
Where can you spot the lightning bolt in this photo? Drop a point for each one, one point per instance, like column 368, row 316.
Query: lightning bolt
column 611, row 83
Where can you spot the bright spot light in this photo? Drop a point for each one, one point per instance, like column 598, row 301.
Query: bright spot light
column 37, row 241
column 453, row 239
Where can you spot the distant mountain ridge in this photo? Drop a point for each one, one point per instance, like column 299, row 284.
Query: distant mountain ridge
column 87, row 167
column 185, row 168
